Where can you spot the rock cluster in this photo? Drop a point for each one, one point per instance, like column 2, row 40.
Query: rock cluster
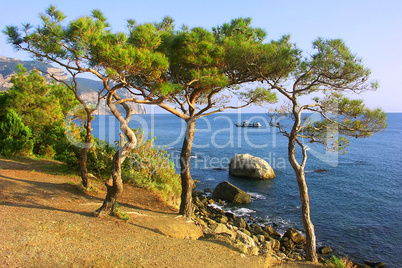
column 247, row 238
column 254, row 239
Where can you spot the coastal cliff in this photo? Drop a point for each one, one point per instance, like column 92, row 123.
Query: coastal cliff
column 88, row 88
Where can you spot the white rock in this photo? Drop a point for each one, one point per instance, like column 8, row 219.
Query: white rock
column 246, row 165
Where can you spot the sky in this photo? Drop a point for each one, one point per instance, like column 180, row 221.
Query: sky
column 372, row 29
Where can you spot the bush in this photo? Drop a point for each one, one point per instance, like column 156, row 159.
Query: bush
column 64, row 151
column 15, row 137
column 100, row 158
column 151, row 168
column 342, row 262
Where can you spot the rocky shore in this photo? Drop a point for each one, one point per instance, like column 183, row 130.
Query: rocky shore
column 252, row 238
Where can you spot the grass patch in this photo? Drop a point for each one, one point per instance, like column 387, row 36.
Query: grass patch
column 82, row 189
column 120, row 214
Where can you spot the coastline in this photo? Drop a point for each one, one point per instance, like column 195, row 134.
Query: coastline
column 251, row 238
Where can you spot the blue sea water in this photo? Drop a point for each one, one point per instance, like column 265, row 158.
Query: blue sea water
column 356, row 204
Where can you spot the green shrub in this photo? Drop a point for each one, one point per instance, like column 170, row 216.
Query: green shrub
column 100, row 158
column 342, row 262
column 15, row 137
column 64, row 150
column 151, row 168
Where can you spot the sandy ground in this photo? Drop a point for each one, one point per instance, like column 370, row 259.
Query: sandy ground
column 45, row 221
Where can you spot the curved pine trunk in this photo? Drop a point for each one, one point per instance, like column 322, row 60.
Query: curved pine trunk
column 310, row 249
column 114, row 184
column 187, row 183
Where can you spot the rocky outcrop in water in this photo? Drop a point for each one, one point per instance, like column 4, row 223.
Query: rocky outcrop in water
column 231, row 193
column 246, row 165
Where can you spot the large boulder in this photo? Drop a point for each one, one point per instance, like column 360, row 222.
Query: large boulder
column 246, row 165
column 231, row 193
column 239, row 222
column 295, row 236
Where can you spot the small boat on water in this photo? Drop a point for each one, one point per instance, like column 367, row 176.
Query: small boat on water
column 248, row 124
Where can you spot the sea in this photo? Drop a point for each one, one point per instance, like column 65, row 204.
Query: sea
column 355, row 198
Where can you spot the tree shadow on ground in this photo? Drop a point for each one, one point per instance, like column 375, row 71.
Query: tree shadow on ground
column 41, row 165
column 42, row 189
column 219, row 240
column 145, row 208
column 157, row 231
column 26, row 193
column 43, row 207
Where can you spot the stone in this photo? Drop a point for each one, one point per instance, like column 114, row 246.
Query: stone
column 361, row 265
column 320, row 170
column 375, row 263
column 181, row 229
column 325, row 250
column 287, row 243
column 295, row 256
column 202, row 223
column 239, row 222
column 282, row 256
column 295, row 236
column 246, row 165
column 255, row 239
column 261, row 238
column 197, row 194
column 198, row 202
column 242, row 247
column 211, row 222
column 245, row 231
column 257, row 230
column 92, row 176
column 204, row 200
column 254, row 251
column 221, row 228
column 223, row 219
column 245, row 239
column 272, row 244
column 231, row 193
column 272, row 232
column 207, row 190
column 230, row 215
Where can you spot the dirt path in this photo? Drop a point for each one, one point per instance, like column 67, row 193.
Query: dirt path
column 45, row 221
